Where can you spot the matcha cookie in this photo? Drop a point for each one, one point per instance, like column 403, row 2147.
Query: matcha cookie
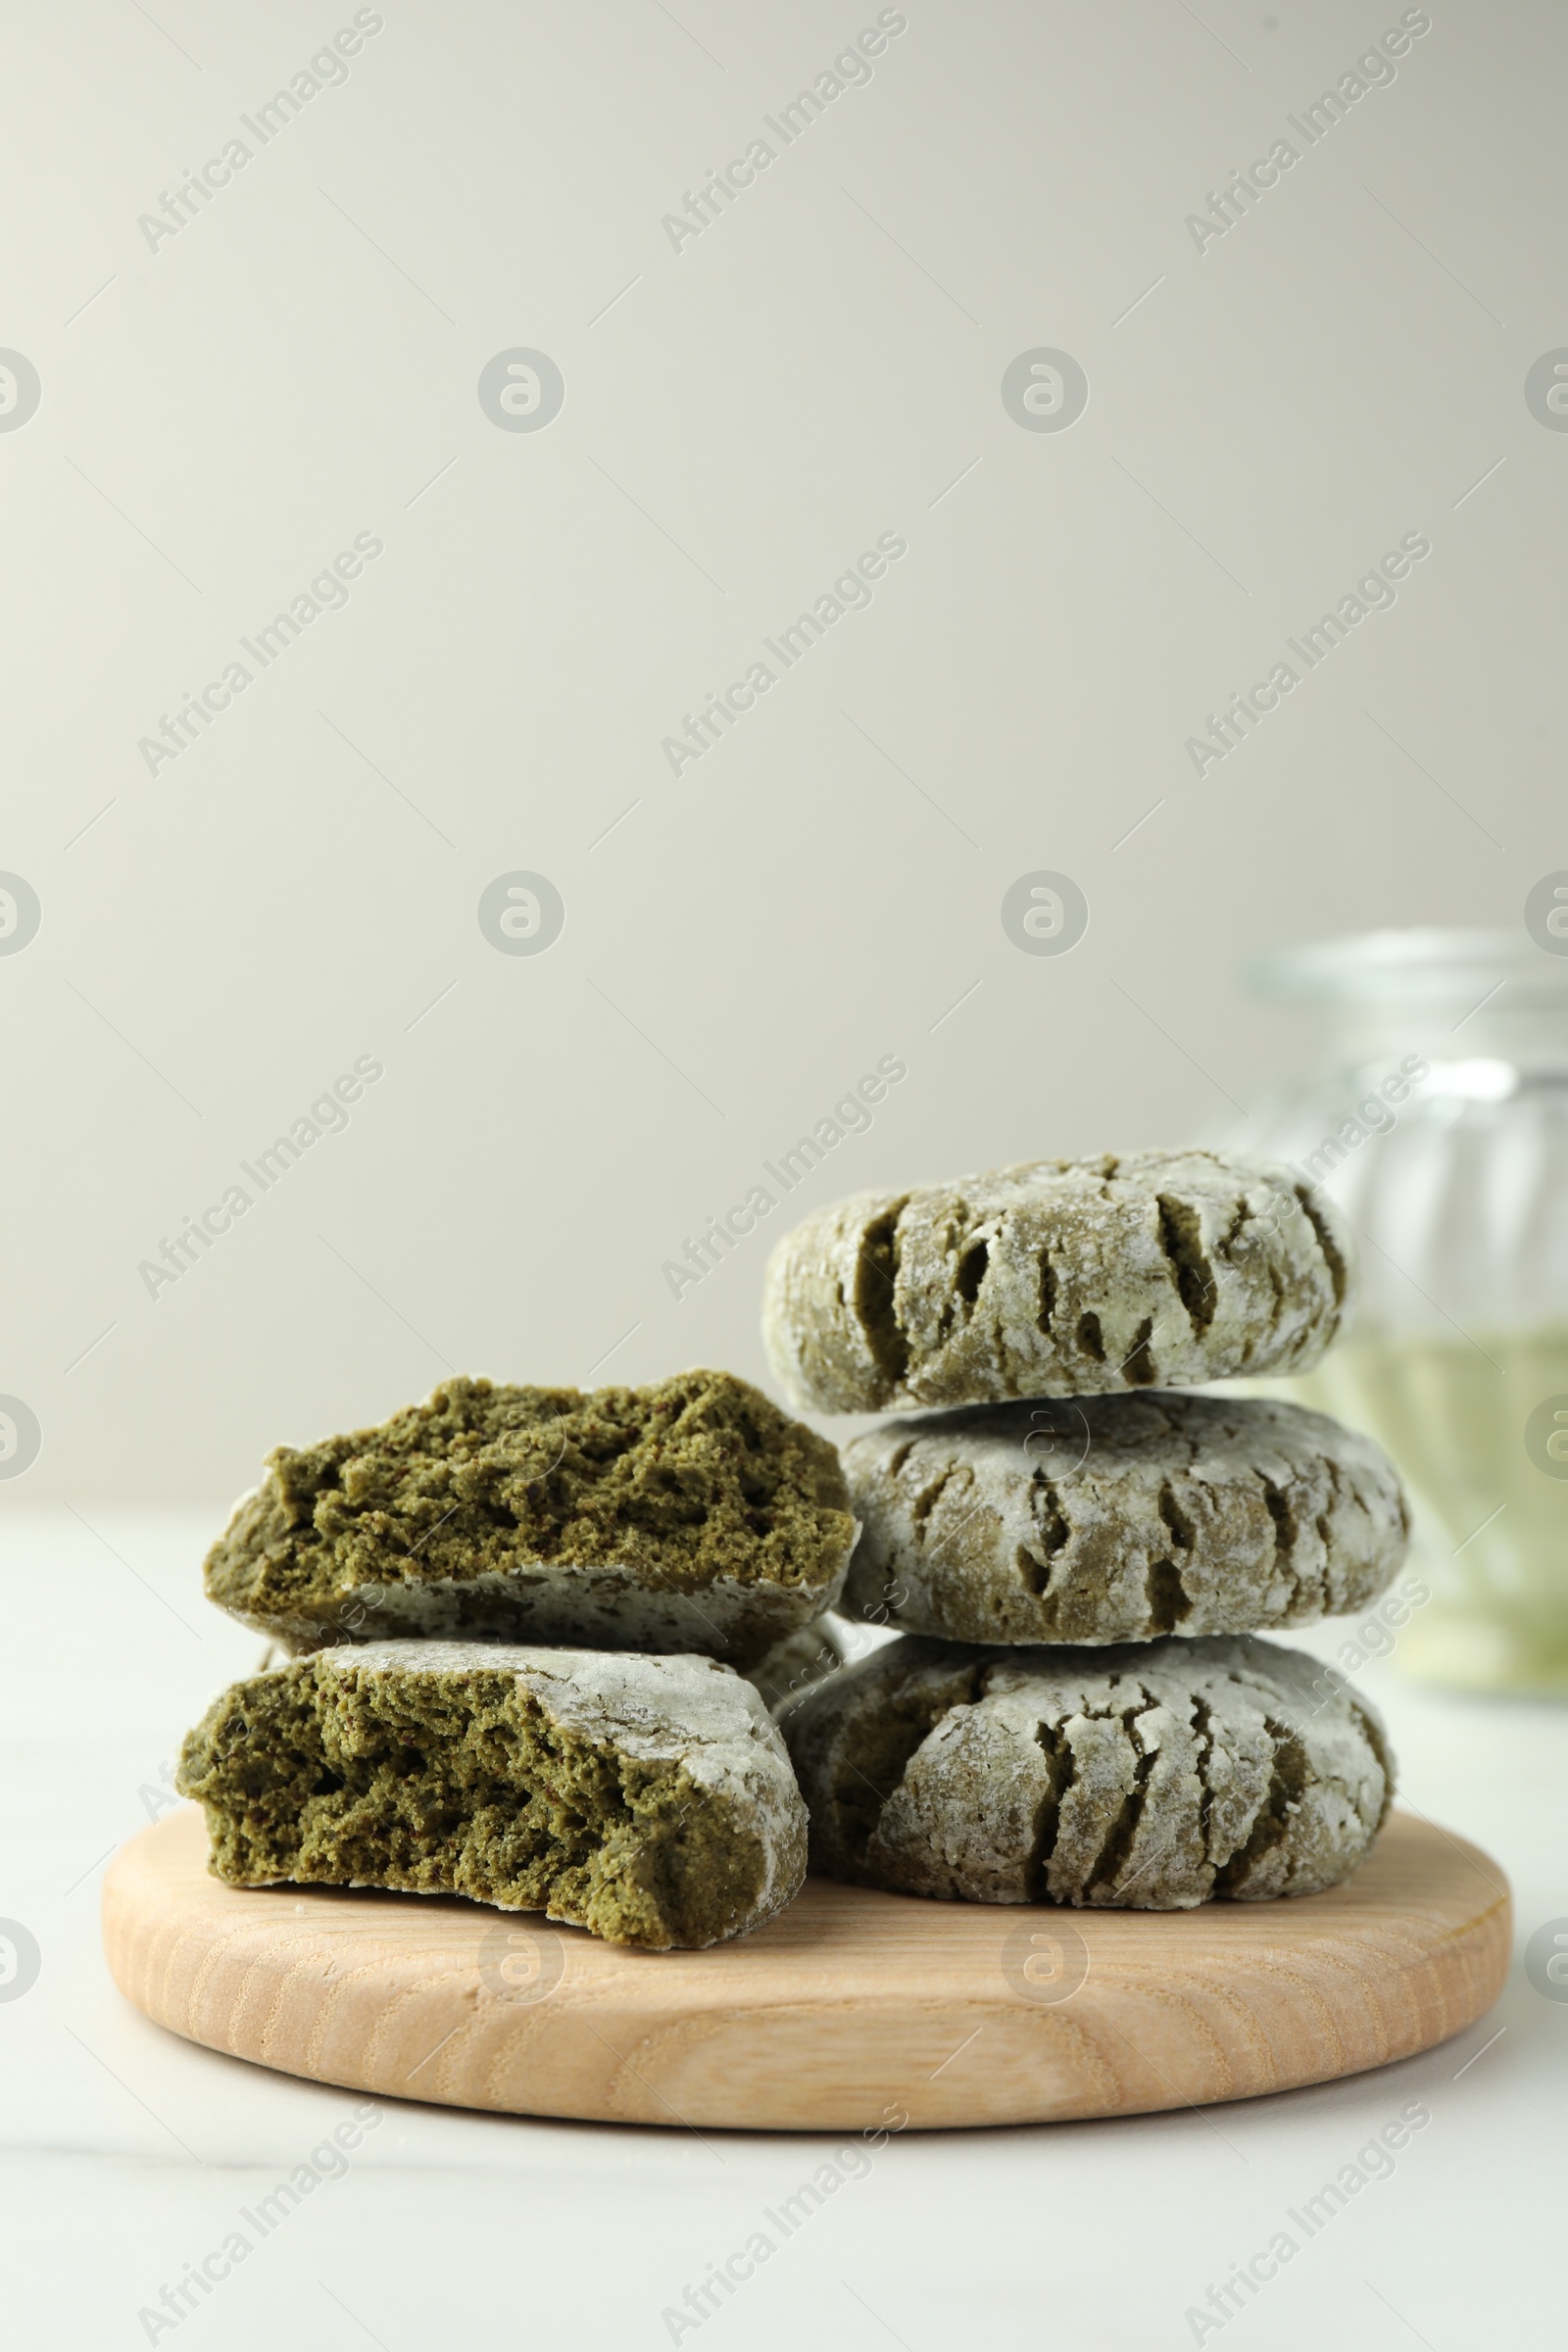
column 692, row 1515
column 1057, row 1278
column 1151, row 1777
column 1117, row 1518
column 791, row 1665
column 648, row 1799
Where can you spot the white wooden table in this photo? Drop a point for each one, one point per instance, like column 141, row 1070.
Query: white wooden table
column 131, row 2158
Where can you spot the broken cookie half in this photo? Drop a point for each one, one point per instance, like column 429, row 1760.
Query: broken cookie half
column 648, row 1799
column 690, row 1515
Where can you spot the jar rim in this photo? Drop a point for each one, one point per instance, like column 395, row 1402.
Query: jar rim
column 1413, row 968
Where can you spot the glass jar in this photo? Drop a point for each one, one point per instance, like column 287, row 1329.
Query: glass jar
column 1438, row 1119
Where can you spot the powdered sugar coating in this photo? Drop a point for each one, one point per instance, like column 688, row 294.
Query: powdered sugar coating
column 1151, row 1777
column 1119, row 1519
column 1057, row 1278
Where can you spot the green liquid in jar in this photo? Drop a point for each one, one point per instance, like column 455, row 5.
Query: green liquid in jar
column 1492, row 1524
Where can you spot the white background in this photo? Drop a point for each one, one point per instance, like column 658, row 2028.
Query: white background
column 219, row 417
column 229, row 410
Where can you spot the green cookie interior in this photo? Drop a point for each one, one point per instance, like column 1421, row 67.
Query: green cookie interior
column 327, row 1772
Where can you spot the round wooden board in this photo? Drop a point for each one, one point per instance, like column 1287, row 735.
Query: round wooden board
column 850, row 2011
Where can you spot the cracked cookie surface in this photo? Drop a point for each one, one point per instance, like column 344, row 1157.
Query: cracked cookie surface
column 1057, row 1278
column 1151, row 1776
column 692, row 1515
column 1118, row 1518
column 648, row 1799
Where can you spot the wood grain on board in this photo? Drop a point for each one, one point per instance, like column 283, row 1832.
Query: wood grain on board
column 851, row 2009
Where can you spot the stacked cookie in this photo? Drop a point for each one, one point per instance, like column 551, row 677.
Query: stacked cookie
column 510, row 1616
column 1078, row 1555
